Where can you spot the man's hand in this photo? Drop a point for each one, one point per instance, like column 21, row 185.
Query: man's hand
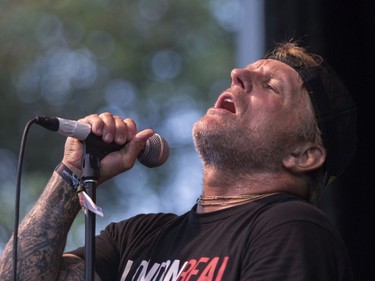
column 111, row 129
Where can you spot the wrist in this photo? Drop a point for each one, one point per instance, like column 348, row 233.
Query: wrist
column 68, row 176
column 76, row 170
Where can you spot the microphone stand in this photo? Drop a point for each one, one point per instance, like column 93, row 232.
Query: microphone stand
column 90, row 176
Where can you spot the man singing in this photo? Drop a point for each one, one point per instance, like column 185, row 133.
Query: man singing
column 282, row 130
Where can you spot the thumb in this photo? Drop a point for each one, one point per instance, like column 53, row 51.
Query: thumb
column 138, row 143
column 123, row 160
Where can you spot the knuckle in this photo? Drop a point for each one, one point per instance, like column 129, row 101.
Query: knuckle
column 106, row 114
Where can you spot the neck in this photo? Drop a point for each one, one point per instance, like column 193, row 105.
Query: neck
column 224, row 189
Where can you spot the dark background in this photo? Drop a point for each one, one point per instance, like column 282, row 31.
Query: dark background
column 342, row 32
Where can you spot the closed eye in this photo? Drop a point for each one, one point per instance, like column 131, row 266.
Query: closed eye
column 270, row 87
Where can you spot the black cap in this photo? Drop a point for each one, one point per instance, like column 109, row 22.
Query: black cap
column 335, row 111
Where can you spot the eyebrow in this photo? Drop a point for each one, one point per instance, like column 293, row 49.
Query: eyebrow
column 269, row 75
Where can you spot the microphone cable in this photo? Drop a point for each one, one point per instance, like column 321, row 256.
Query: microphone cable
column 18, row 196
column 155, row 154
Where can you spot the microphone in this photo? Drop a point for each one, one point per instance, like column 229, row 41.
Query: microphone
column 155, row 153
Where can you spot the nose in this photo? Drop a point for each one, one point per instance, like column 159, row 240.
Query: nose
column 242, row 78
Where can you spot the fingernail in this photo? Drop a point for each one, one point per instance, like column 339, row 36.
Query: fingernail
column 108, row 137
column 120, row 139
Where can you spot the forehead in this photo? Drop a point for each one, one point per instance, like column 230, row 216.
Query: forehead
column 276, row 69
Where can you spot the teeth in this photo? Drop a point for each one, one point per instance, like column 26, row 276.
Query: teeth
column 228, row 100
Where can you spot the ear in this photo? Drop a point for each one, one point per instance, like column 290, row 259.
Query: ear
column 306, row 158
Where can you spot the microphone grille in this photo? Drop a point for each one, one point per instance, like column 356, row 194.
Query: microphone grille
column 155, row 153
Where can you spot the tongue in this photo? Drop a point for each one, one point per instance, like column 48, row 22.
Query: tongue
column 229, row 106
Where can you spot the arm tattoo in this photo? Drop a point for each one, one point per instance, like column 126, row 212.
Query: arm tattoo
column 42, row 235
column 72, row 268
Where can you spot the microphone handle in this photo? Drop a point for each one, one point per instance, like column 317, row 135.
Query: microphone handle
column 155, row 153
column 97, row 145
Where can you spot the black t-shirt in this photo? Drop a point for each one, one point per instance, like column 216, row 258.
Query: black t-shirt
column 275, row 238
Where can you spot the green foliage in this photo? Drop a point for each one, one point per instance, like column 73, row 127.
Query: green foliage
column 149, row 60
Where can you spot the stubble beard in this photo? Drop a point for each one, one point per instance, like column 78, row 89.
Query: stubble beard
column 239, row 151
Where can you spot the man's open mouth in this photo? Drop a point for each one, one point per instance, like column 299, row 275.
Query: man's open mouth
column 226, row 102
column 228, row 105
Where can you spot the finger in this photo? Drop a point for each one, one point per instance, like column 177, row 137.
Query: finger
column 121, row 131
column 116, row 163
column 138, row 143
column 142, row 136
column 96, row 123
column 109, row 128
column 131, row 128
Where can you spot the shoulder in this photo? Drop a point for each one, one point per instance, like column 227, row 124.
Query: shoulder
column 287, row 208
column 301, row 236
column 291, row 217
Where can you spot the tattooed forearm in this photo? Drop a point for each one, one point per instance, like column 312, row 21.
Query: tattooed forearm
column 72, row 268
column 42, row 234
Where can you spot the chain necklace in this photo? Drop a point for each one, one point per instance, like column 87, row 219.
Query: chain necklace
column 228, row 200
